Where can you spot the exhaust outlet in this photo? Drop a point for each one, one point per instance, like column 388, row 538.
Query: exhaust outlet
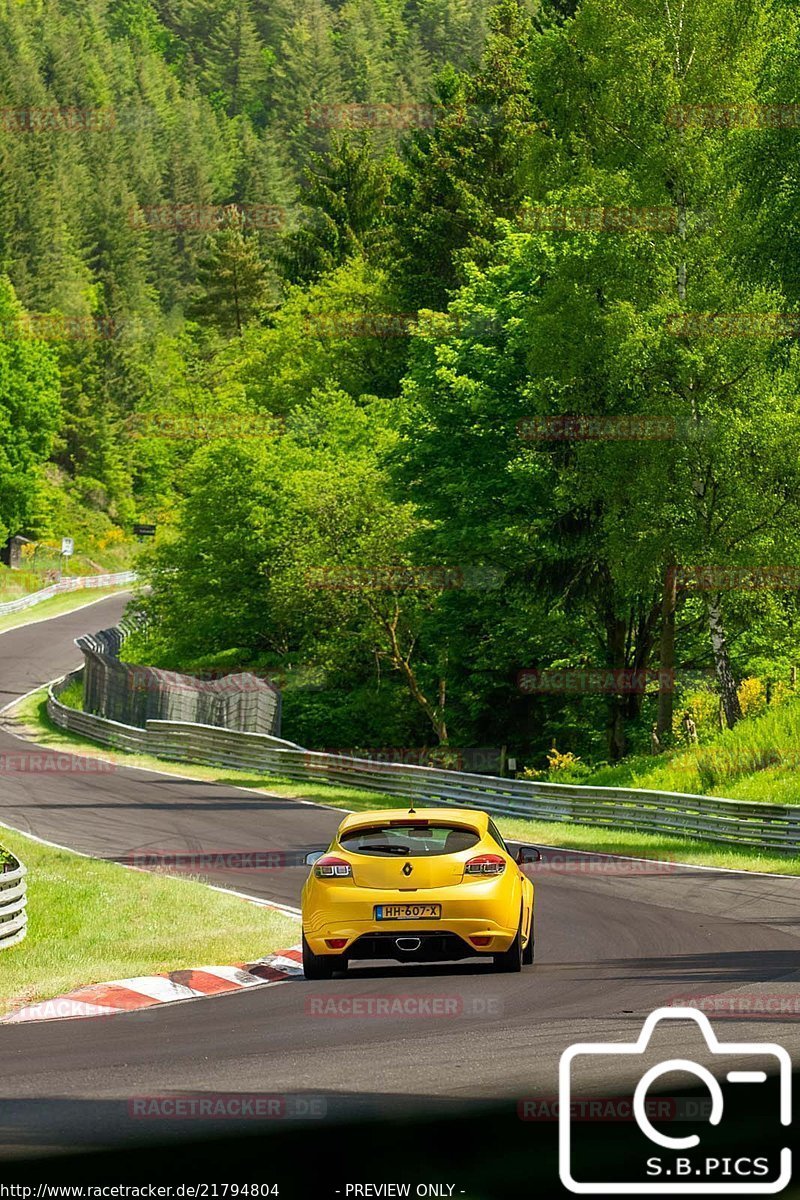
column 408, row 944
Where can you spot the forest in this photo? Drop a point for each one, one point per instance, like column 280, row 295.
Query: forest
column 451, row 347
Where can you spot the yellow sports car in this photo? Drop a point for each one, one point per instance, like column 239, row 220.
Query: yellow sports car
column 422, row 886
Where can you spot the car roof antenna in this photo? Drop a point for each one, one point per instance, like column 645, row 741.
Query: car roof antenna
column 411, row 809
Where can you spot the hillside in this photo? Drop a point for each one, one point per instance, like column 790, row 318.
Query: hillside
column 758, row 760
column 452, row 353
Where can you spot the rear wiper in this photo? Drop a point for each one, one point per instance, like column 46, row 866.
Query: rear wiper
column 384, row 849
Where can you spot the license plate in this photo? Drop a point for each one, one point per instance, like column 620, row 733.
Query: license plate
column 408, row 912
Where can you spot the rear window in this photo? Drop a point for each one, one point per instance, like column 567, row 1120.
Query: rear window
column 412, row 840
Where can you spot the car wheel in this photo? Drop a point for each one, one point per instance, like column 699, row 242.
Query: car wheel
column 527, row 952
column 511, row 959
column 317, row 966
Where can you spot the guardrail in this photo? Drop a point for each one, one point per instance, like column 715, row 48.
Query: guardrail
column 13, row 899
column 149, row 740
column 74, row 583
column 727, row 822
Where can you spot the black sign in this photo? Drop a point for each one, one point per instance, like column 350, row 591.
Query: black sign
column 144, row 530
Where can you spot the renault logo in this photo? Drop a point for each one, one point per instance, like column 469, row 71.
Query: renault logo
column 407, row 869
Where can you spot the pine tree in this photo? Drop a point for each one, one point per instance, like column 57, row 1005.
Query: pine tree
column 231, row 278
column 469, row 169
column 343, row 210
column 305, row 78
column 29, row 412
column 363, row 36
column 235, row 62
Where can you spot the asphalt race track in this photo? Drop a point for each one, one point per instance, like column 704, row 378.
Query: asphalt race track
column 614, row 941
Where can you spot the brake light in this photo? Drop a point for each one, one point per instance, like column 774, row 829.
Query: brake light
column 329, row 866
column 336, row 943
column 485, row 864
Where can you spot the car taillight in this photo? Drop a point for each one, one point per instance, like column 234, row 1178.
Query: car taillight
column 329, row 866
column 485, row 864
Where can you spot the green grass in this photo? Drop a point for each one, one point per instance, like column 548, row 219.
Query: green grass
column 72, row 695
column 758, row 760
column 56, row 606
column 91, row 921
column 31, row 716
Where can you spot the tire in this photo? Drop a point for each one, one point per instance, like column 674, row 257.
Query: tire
column 528, row 951
column 317, row 966
column 510, row 960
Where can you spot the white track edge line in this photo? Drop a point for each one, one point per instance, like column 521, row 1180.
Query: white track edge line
column 261, row 901
column 152, row 1008
column 67, row 611
column 335, row 808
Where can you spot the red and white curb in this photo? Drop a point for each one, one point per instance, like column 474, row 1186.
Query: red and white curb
column 132, row 995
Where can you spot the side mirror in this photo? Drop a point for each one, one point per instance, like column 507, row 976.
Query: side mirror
column 312, row 857
column 527, row 854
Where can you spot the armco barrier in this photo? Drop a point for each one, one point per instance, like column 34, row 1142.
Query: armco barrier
column 728, row 822
column 13, row 899
column 74, row 583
